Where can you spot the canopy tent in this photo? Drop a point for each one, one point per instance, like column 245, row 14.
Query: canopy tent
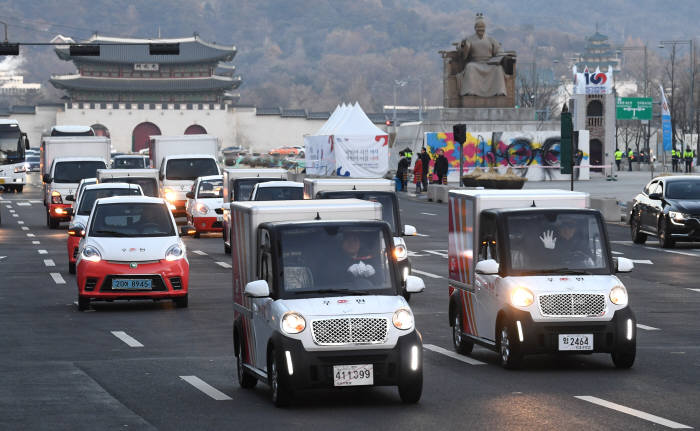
column 348, row 144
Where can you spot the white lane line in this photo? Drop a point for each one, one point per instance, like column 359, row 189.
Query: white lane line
column 42, row 251
column 25, row 228
column 30, row 235
column 633, row 412
column 223, row 264
column 2, row 257
column 20, row 222
column 644, row 261
column 694, row 290
column 15, row 215
column 430, row 214
column 36, row 242
column 23, row 204
column 49, row 262
column 647, row 328
column 421, row 234
column 427, row 274
column 206, row 388
column 35, row 201
column 129, row 340
column 440, row 253
column 616, row 252
column 453, row 355
column 12, row 211
column 57, row 278
column 199, row 252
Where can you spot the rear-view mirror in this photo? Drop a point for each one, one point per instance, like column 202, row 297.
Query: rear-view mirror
column 414, row 284
column 409, row 230
column 257, row 289
column 655, row 196
column 622, row 264
column 221, row 193
column 46, row 178
column 26, row 141
column 487, row 267
column 77, row 231
column 70, row 198
column 187, row 230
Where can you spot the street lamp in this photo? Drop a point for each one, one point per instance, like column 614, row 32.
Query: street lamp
column 397, row 83
column 646, row 84
column 691, row 107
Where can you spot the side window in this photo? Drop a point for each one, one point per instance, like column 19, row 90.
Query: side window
column 488, row 247
column 265, row 270
column 655, row 188
column 647, row 188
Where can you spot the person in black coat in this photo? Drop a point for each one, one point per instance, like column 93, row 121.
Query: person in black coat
column 441, row 166
column 425, row 158
column 402, row 170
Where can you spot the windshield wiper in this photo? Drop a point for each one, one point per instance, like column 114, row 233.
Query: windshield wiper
column 344, row 291
column 563, row 271
column 111, row 233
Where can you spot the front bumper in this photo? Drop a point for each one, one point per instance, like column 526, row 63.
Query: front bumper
column 543, row 337
column 54, row 211
column 689, row 230
column 206, row 224
column 315, row 369
column 168, row 279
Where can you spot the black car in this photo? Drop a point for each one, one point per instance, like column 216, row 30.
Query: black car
column 668, row 208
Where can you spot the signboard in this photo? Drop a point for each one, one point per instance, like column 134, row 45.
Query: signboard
column 146, row 67
column 634, row 108
column 666, row 122
column 593, row 82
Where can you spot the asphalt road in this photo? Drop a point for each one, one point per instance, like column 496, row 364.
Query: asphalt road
column 145, row 365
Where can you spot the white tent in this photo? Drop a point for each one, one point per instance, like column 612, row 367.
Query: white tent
column 348, row 144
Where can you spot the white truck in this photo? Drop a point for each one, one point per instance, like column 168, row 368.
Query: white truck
column 13, row 143
column 317, row 299
column 65, row 160
column 238, row 186
column 146, row 178
column 531, row 272
column 377, row 190
column 180, row 160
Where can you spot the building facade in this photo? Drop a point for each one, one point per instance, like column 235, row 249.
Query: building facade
column 598, row 54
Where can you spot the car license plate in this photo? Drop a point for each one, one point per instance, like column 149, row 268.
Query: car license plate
column 575, row 341
column 353, row 375
column 136, row 284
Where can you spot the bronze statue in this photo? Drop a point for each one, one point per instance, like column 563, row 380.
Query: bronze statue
column 483, row 73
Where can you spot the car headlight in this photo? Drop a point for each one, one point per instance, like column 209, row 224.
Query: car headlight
column 678, row 216
column 19, row 169
column 403, row 319
column 521, row 297
column 293, row 322
column 618, row 295
column 56, row 197
column 175, row 252
column 400, row 252
column 169, row 195
column 201, row 208
column 92, row 254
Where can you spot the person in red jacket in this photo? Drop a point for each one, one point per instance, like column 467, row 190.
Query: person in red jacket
column 418, row 174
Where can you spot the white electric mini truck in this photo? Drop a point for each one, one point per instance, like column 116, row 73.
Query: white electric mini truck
column 531, row 271
column 317, row 299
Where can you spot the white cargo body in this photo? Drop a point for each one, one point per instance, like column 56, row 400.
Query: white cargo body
column 146, row 178
column 72, row 146
column 162, row 146
column 314, row 185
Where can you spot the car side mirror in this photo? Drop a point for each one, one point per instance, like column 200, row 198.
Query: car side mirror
column 414, row 284
column 655, row 196
column 221, row 193
column 26, row 141
column 46, row 178
column 622, row 264
column 409, row 230
column 70, row 198
column 189, row 195
column 487, row 267
column 187, row 230
column 257, row 289
column 77, row 231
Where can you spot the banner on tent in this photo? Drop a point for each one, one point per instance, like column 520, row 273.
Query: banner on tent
column 318, row 152
column 361, row 156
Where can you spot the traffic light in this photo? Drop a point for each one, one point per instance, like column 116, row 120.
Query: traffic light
column 164, row 48
column 9, row 48
column 459, row 132
column 388, row 122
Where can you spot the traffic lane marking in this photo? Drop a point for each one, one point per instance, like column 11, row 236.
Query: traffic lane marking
column 441, row 253
column 647, row 328
column 223, row 264
column 642, row 261
column 57, row 278
column 25, row 228
column 23, row 204
column 20, row 222
column 453, row 355
column 15, row 215
column 421, row 234
column 36, row 242
column 632, row 244
column 206, row 388
column 429, row 214
column 49, row 262
column 694, row 290
column 427, row 274
column 616, row 252
column 199, row 252
column 41, row 251
column 128, row 339
column 633, row 412
column 30, row 235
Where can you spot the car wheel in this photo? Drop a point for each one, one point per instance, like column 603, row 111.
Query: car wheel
column 245, row 379
column 665, row 240
column 462, row 344
column 638, row 237
column 53, row 224
column 624, row 358
column 71, row 267
column 510, row 356
column 411, row 388
column 196, row 235
column 281, row 394
column 20, row 189
column 181, row 302
column 83, row 303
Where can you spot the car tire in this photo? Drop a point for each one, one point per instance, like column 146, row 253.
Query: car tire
column 71, row 267
column 638, row 237
column 20, row 189
column 196, row 235
column 53, row 224
column 461, row 344
column 624, row 358
column 181, row 301
column 411, row 388
column 509, row 352
column 245, row 379
column 281, row 393
column 83, row 303
column 665, row 240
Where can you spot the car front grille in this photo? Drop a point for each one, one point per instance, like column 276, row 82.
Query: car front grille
column 572, row 304
column 352, row 330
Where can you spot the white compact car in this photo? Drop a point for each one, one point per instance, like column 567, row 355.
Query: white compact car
column 204, row 205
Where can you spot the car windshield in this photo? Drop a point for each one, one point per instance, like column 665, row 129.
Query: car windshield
column 279, row 193
column 130, row 219
column 556, row 243
column 243, row 187
column 73, row 172
column 327, row 260
column 385, row 199
column 129, row 163
column 87, row 200
column 210, row 188
column 149, row 185
column 190, row 169
column 683, row 189
column 9, row 144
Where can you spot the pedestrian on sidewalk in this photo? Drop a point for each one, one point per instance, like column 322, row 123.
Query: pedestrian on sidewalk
column 630, row 157
column 675, row 155
column 418, row 174
column 441, row 166
column 425, row 159
column 618, row 158
column 688, row 157
column 402, row 171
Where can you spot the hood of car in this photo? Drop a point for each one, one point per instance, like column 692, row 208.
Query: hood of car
column 685, row 206
column 338, row 306
column 547, row 284
column 132, row 249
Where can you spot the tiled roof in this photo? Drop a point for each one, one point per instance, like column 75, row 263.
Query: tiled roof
column 268, row 111
column 77, row 82
column 318, row 115
column 301, row 113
